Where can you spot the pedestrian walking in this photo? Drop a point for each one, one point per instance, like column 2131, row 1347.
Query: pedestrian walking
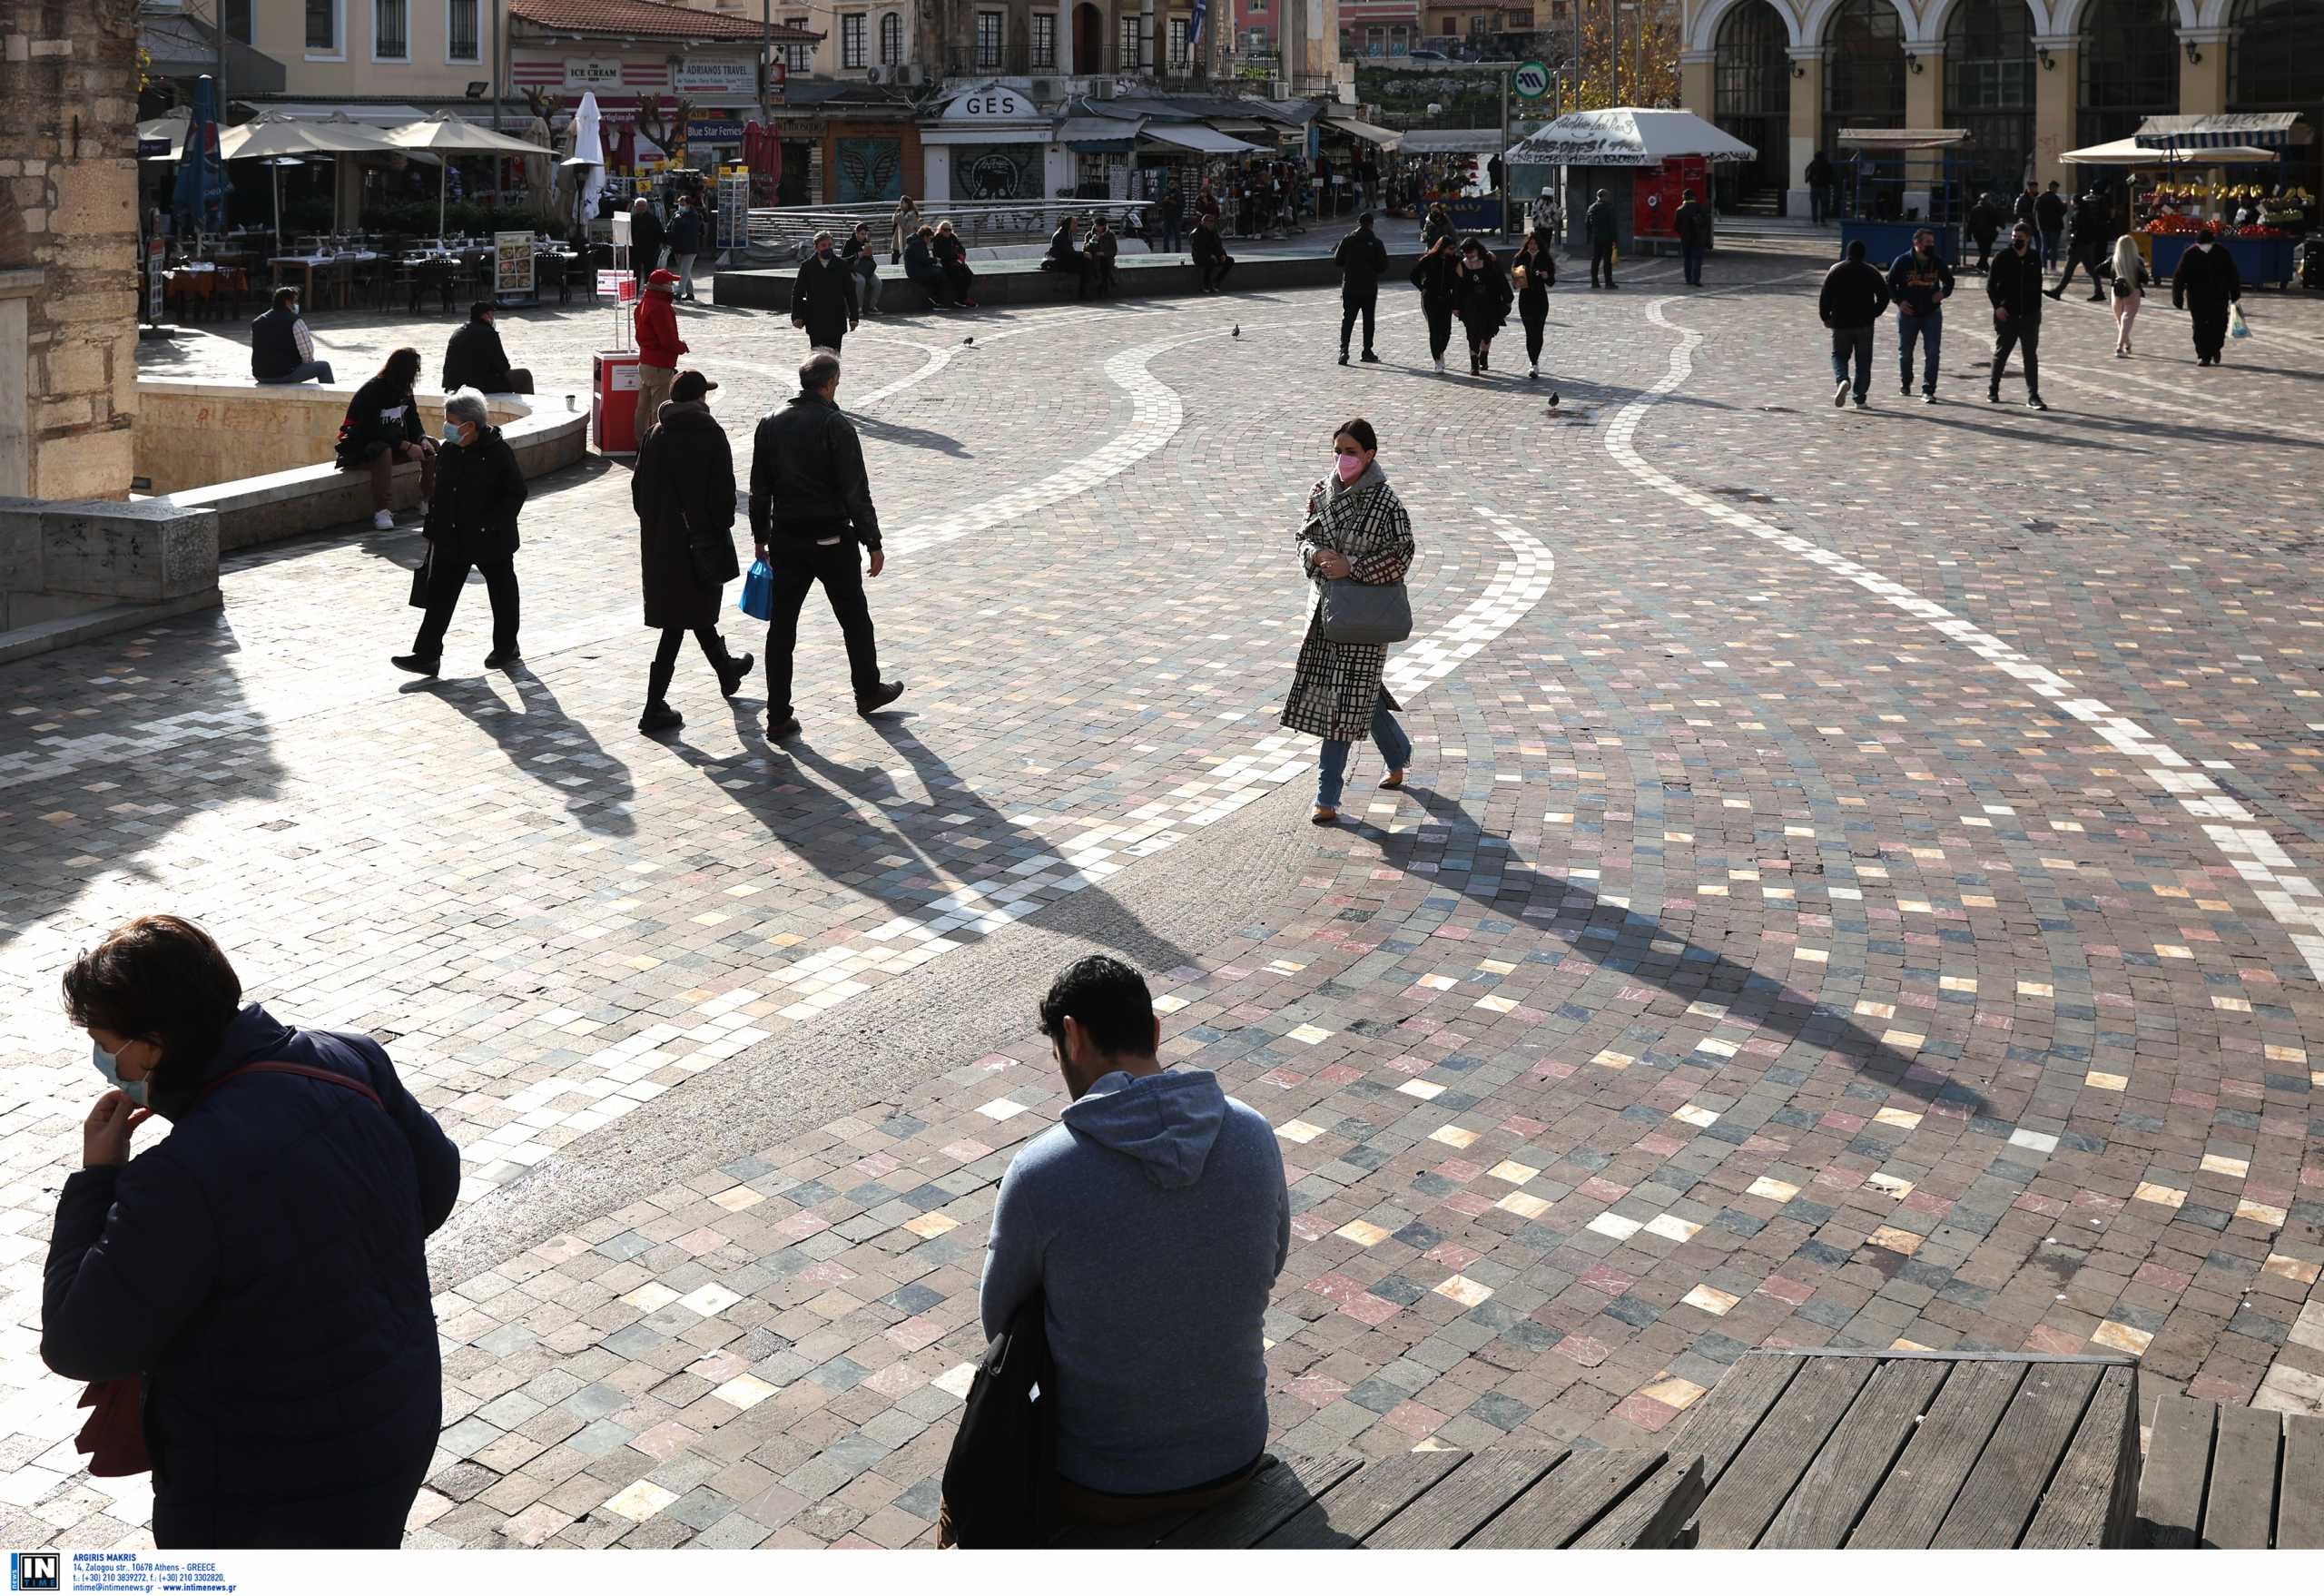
column 1600, row 224
column 1984, row 226
column 2127, row 276
column 2014, row 287
column 250, row 1295
column 474, row 358
column 823, row 297
column 382, row 426
column 953, row 259
column 1212, row 261
column 1356, row 530
column 1819, row 188
column 921, row 271
column 1544, row 218
column 902, row 227
column 655, row 322
column 472, row 525
column 1854, row 296
column 2050, row 215
column 683, row 493
column 1535, row 271
column 685, row 244
column 645, row 240
column 1171, row 209
column 1437, row 275
column 1437, row 224
column 283, row 351
column 2088, row 247
column 1484, row 301
column 2027, row 206
column 2205, row 285
column 810, row 506
column 1694, row 236
column 862, row 265
column 1919, row 282
column 1100, row 250
column 1361, row 258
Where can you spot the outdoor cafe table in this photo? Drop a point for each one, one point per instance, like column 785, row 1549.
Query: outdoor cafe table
column 307, row 265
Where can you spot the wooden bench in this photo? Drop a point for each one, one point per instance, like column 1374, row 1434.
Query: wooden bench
column 1435, row 1501
column 1829, row 1448
column 2241, row 1478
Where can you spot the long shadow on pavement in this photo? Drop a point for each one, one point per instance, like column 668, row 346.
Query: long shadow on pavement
column 548, row 745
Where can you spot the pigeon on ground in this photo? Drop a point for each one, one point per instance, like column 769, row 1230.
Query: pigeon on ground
column 1238, row 329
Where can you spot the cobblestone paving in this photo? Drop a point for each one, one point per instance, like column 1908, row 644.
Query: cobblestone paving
column 1856, row 887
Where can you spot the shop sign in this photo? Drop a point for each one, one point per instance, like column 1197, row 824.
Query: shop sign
column 701, row 76
column 993, row 105
column 714, row 130
column 582, row 72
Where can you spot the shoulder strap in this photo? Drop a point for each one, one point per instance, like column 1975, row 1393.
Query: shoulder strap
column 278, row 1067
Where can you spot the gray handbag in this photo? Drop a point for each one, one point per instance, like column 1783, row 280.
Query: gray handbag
column 1366, row 612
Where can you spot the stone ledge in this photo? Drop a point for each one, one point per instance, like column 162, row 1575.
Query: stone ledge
column 23, row 642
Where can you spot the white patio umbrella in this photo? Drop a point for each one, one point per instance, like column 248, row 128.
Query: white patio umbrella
column 448, row 134
column 1628, row 135
column 296, row 139
column 588, row 157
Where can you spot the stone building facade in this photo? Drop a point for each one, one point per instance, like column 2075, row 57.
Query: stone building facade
column 68, row 247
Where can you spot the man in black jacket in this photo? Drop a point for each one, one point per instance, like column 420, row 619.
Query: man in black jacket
column 2087, row 247
column 475, row 358
column 2205, row 284
column 1984, row 226
column 2050, row 212
column 1210, row 254
column 2014, row 287
column 2028, row 206
column 1854, row 294
column 822, row 299
column 1361, row 258
column 282, row 350
column 810, row 505
column 1694, row 237
column 1818, row 177
column 685, row 244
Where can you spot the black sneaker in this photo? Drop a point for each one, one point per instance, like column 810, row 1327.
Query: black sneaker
column 888, row 693
column 419, row 664
column 659, row 717
column 500, row 658
column 1343, row 357
column 2034, row 402
column 1370, row 358
column 1992, row 396
column 783, row 729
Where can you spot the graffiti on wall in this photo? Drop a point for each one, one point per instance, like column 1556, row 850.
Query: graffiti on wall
column 997, row 172
column 869, row 168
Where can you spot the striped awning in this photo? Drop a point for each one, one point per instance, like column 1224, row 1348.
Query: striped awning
column 2266, row 129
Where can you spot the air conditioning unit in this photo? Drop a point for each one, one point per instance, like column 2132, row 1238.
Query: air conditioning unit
column 1044, row 88
column 1102, row 88
column 899, row 75
column 874, row 77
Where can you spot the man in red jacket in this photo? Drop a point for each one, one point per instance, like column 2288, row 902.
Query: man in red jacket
column 658, row 346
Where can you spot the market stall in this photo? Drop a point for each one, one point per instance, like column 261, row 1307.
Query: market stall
column 1905, row 179
column 2176, row 192
column 1636, row 154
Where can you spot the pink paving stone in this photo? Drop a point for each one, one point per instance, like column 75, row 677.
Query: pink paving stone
column 992, row 1061
column 664, row 1441
column 1317, row 1390
column 2313, row 1175
column 560, row 1249
column 1519, row 1125
column 701, row 1243
column 2050, row 1339
column 1787, row 1289
column 915, row 1333
column 2035, row 1202
column 2154, row 1274
column 1761, row 1048
column 1452, row 1256
column 1408, row 1064
column 1337, row 1288
column 536, row 1524
column 1605, row 1278
column 1927, row 1202
column 1468, row 1203
column 1552, row 1069
column 1659, row 1145
column 802, row 1225
column 965, row 1152
column 1339, row 1074
column 1459, row 1171
column 1765, row 1145
column 895, row 1379
column 1602, row 1190
column 1310, row 1226
column 1453, row 933
column 1414, row 1419
column 1250, row 1011
column 1586, row 1350
column 829, row 1272
column 1647, row 1413
column 719, row 1367
column 2211, row 1388
column 1525, row 1016
column 1282, row 1079
column 1634, row 994
column 2097, row 1202
column 2242, row 1089
column 1368, row 1309
column 1836, row 1120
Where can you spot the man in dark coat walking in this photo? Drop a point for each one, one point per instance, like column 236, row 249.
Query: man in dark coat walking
column 1171, row 209
column 1361, row 258
column 475, row 358
column 1984, row 226
column 1818, row 177
column 810, row 505
column 1694, row 237
column 1854, row 296
column 645, row 240
column 822, row 298
column 1599, row 223
column 2014, row 287
column 2087, row 245
column 683, row 490
column 2049, row 213
column 471, row 523
column 2205, row 286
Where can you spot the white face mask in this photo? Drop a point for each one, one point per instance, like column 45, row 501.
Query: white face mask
column 109, row 1066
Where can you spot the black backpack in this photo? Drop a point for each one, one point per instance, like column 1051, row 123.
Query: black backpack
column 1000, row 1480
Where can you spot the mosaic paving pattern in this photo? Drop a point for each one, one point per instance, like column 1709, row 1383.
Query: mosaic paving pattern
column 1853, row 891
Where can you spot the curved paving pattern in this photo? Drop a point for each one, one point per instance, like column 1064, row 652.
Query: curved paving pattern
column 1855, row 889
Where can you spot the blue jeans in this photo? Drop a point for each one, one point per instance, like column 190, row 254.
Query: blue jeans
column 319, row 371
column 1692, row 259
column 1330, row 777
column 1928, row 332
column 1853, row 342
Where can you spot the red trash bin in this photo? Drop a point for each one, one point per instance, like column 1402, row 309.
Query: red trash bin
column 613, row 404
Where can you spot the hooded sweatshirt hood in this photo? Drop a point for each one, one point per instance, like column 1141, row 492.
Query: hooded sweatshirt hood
column 1167, row 1122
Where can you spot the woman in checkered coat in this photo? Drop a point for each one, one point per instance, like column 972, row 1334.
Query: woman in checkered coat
column 1355, row 526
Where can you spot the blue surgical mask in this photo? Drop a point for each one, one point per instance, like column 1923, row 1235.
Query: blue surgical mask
column 110, row 1068
column 452, row 433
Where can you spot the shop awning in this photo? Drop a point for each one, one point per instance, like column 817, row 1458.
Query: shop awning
column 1365, row 130
column 1240, row 125
column 1902, row 138
column 978, row 133
column 1098, row 135
column 2131, row 152
column 1629, row 135
column 2266, row 129
column 1202, row 140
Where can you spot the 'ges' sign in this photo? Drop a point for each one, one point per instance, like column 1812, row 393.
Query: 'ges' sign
column 993, row 105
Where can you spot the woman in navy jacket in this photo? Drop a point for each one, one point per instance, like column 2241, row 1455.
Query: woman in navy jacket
column 262, row 1267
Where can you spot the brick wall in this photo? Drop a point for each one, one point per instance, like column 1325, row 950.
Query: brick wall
column 68, row 102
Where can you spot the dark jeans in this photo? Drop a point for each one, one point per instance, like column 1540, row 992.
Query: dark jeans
column 1818, row 203
column 1602, row 255
column 2088, row 261
column 319, row 370
column 1533, row 320
column 1928, row 332
column 1075, row 266
column 1985, row 255
column 1213, row 273
column 1693, row 259
column 1367, row 307
column 2016, row 334
column 2210, row 331
column 1440, row 329
column 1170, row 235
column 1852, row 343
column 963, row 280
column 1107, row 279
column 2049, row 241
column 713, row 648
column 446, row 576
column 837, row 568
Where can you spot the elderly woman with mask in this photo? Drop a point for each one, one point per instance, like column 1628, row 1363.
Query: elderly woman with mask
column 250, row 1295
column 471, row 524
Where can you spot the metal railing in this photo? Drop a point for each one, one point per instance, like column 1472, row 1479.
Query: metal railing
column 789, row 231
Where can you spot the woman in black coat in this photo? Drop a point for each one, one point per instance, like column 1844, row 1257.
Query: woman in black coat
column 2205, row 286
column 250, row 1294
column 922, row 270
column 645, row 241
column 381, row 427
column 472, row 523
column 684, row 492
column 1535, row 269
column 1438, row 225
column 953, row 259
column 1483, row 302
column 1437, row 275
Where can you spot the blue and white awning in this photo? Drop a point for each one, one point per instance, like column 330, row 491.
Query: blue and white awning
column 2267, row 130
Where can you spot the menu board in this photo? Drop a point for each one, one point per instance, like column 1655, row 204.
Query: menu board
column 512, row 254
column 734, row 211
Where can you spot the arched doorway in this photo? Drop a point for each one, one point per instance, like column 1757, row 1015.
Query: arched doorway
column 1751, row 82
column 1089, row 39
column 1989, row 90
column 2275, row 63
column 2130, row 68
column 1864, row 73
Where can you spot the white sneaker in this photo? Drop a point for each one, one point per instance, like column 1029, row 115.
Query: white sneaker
column 423, row 509
column 1440, row 364
column 383, row 520
column 1840, row 394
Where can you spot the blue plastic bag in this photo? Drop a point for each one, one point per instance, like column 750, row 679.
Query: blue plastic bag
column 758, row 591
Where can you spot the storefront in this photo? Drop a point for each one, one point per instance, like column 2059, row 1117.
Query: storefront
column 989, row 146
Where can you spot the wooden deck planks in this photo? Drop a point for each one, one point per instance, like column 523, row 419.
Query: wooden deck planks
column 1464, row 1501
column 2088, row 1502
column 1998, row 1498
column 1718, row 1425
column 1761, row 1476
column 2178, row 1463
column 1276, row 1497
column 1912, row 1503
column 1567, row 1501
column 1359, row 1506
column 2299, row 1510
column 2240, row 1511
column 1654, row 1515
column 1848, row 1471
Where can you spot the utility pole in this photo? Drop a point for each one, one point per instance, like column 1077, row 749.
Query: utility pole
column 767, row 61
column 217, row 66
column 500, row 55
column 1614, row 50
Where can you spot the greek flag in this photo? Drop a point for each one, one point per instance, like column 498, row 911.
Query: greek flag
column 1193, row 29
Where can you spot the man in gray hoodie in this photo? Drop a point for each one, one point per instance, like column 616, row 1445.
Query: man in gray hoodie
column 1152, row 1220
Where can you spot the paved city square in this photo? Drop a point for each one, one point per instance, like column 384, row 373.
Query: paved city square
column 1858, row 886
